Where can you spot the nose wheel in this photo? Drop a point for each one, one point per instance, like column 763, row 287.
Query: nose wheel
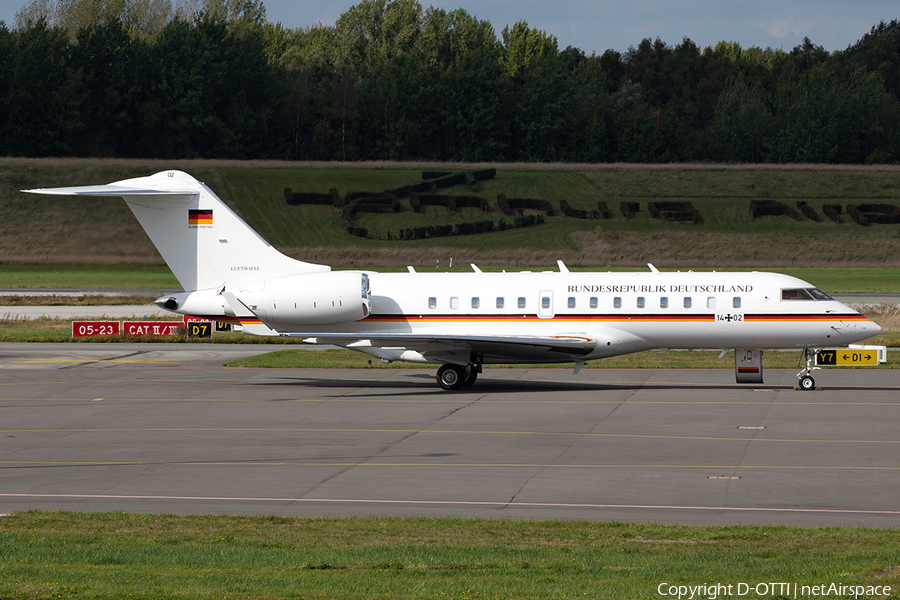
column 806, row 382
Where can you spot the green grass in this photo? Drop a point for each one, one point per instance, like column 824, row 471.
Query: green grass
column 131, row 277
column 83, row 555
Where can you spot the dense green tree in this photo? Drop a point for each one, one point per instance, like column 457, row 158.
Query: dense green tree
column 389, row 80
column 144, row 17
column 374, row 43
column 543, row 118
column 42, row 94
column 251, row 12
column 742, row 126
column 523, row 46
column 108, row 61
column 821, row 120
column 590, row 107
column 375, row 31
column 7, row 68
column 34, row 12
column 211, row 92
column 463, row 60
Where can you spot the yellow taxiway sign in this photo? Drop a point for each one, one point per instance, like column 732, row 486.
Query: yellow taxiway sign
column 841, row 356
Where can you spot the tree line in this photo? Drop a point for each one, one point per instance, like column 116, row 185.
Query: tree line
column 393, row 81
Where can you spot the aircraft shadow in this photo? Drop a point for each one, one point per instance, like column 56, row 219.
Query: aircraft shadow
column 417, row 384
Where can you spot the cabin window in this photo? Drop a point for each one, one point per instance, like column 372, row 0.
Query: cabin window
column 594, row 303
column 499, row 302
column 640, row 302
column 521, row 302
column 571, row 303
column 454, row 302
column 476, row 302
column 545, row 302
column 432, row 302
column 736, row 302
column 664, row 302
column 711, row 302
column 617, row 303
column 687, row 301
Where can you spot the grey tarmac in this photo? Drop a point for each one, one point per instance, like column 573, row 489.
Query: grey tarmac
column 165, row 428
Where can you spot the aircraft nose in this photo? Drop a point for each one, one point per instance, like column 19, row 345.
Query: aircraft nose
column 874, row 327
column 864, row 328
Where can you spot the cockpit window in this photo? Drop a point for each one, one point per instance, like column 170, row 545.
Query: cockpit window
column 795, row 295
column 804, row 294
column 819, row 294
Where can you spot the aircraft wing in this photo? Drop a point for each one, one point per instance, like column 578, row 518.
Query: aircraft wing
column 457, row 349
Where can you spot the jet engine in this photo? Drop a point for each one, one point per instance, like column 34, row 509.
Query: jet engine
column 323, row 298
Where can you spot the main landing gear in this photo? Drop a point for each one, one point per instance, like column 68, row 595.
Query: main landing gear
column 806, row 381
column 453, row 377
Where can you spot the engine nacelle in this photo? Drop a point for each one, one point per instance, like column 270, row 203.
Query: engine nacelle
column 324, row 298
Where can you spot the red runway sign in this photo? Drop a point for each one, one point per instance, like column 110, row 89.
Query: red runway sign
column 94, row 328
column 152, row 328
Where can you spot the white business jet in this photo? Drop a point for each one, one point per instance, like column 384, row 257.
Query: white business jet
column 462, row 321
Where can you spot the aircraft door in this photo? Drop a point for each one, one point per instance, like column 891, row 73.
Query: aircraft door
column 545, row 305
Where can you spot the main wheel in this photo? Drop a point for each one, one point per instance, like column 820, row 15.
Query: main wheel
column 807, row 383
column 450, row 377
column 469, row 376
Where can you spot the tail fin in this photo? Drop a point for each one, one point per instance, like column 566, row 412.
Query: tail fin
column 203, row 241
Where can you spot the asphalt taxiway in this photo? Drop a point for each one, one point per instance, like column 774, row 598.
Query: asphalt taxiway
column 167, row 429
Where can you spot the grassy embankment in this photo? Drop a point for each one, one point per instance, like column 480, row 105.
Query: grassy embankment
column 726, row 239
column 102, row 231
column 70, row 555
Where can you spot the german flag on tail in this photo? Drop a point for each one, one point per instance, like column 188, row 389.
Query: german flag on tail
column 200, row 216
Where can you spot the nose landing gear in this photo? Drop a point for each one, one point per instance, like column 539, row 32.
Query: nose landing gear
column 806, row 381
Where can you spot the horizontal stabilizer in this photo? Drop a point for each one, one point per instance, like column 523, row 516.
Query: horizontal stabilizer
column 112, row 190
